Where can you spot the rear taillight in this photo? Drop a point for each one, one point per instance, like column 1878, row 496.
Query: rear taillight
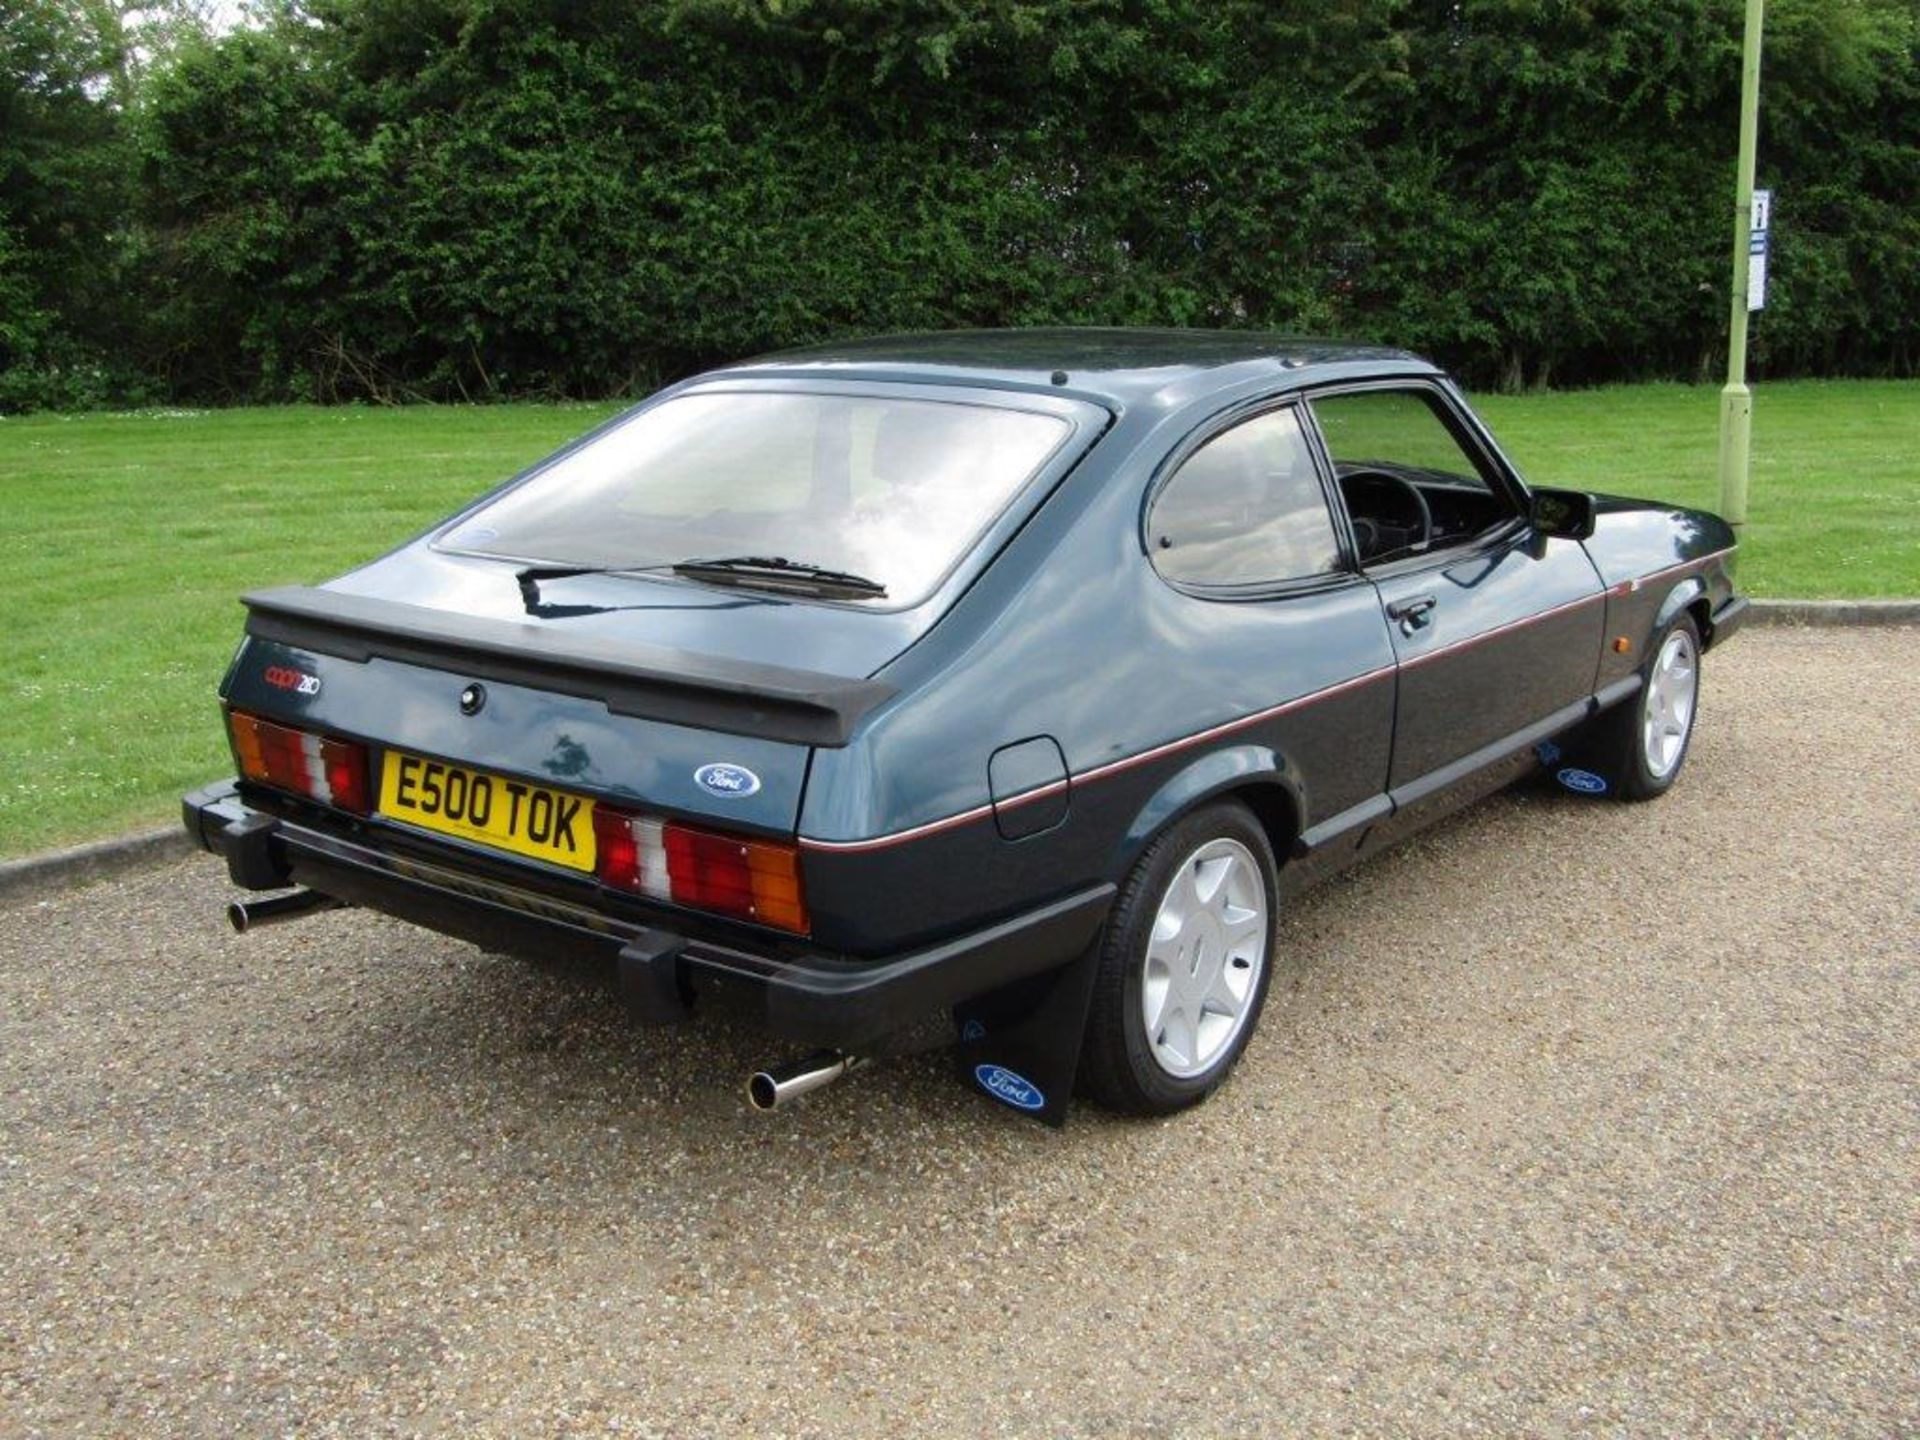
column 334, row 772
column 757, row 880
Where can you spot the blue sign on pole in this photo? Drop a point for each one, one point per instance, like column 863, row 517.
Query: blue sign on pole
column 1759, row 224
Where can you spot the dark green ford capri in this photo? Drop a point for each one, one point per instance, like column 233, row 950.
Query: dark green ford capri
column 992, row 688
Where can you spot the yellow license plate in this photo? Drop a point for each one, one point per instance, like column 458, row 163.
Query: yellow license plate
column 529, row 820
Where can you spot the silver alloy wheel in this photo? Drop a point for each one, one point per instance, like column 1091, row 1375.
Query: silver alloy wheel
column 1205, row 954
column 1667, row 715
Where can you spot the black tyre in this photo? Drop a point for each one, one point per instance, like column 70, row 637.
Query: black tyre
column 1639, row 746
column 1185, row 963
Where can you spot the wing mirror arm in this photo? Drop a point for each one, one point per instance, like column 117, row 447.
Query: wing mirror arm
column 1562, row 514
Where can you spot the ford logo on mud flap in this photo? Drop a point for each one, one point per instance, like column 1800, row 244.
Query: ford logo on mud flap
column 731, row 782
column 1583, row 781
column 1003, row 1084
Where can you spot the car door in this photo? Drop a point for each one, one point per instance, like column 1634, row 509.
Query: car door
column 1496, row 629
column 1272, row 613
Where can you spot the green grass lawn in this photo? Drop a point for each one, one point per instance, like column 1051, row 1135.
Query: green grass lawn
column 127, row 542
column 128, row 538
column 1833, row 511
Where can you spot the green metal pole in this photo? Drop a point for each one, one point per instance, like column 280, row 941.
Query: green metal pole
column 1736, row 401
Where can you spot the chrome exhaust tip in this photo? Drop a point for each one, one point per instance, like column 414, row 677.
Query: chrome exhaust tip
column 245, row 915
column 773, row 1087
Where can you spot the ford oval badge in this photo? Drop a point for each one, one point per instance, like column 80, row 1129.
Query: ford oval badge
column 1003, row 1084
column 730, row 782
column 1584, row 781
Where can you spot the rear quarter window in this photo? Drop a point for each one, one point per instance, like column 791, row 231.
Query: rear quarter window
column 1246, row 508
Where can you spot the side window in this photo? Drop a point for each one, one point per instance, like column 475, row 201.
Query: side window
column 1245, row 508
column 1410, row 485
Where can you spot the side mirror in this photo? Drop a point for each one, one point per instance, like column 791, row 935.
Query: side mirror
column 1564, row 514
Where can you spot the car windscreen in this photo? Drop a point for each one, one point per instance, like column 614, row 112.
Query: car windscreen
column 895, row 490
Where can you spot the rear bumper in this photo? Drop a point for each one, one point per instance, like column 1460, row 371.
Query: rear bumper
column 820, row 999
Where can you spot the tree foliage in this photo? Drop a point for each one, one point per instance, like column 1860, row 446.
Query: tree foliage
column 62, row 199
column 400, row 198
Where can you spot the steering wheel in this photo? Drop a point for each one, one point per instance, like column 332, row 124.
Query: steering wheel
column 1414, row 511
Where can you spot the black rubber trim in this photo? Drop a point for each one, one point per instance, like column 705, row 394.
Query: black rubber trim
column 852, row 1005
column 1727, row 620
column 1614, row 691
column 209, row 810
column 803, row 707
column 1347, row 823
column 1457, row 770
column 1378, row 807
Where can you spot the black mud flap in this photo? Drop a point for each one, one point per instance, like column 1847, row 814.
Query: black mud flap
column 1021, row 1044
column 1571, row 777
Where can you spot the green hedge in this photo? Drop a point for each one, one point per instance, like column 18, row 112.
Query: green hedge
column 393, row 199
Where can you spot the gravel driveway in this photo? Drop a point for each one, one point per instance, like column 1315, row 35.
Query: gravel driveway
column 1571, row 1118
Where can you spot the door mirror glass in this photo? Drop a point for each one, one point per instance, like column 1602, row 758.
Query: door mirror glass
column 1564, row 514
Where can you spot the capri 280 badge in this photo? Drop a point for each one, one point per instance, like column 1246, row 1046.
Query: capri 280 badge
column 729, row 782
column 285, row 677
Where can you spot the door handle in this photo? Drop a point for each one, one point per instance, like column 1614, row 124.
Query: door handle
column 1414, row 613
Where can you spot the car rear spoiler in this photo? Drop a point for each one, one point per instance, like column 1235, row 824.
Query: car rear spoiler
column 739, row 697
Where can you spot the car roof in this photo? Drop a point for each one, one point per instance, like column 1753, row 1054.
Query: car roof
column 1119, row 366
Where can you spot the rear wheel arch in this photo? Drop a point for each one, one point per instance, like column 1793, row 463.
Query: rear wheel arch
column 1256, row 776
column 1278, row 812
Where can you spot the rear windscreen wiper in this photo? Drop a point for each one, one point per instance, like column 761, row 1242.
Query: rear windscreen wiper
column 776, row 572
column 772, row 572
column 531, row 577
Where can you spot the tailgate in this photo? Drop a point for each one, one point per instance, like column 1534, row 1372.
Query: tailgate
column 664, row 731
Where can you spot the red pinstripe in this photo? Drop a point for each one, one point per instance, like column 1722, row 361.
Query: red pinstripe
column 1114, row 767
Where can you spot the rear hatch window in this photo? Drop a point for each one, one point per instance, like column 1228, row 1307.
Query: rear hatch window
column 892, row 489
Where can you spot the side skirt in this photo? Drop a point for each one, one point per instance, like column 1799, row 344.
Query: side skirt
column 1374, row 825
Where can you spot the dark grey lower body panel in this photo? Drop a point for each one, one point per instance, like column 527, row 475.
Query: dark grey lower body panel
column 1339, row 839
column 842, row 1002
column 1451, row 775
